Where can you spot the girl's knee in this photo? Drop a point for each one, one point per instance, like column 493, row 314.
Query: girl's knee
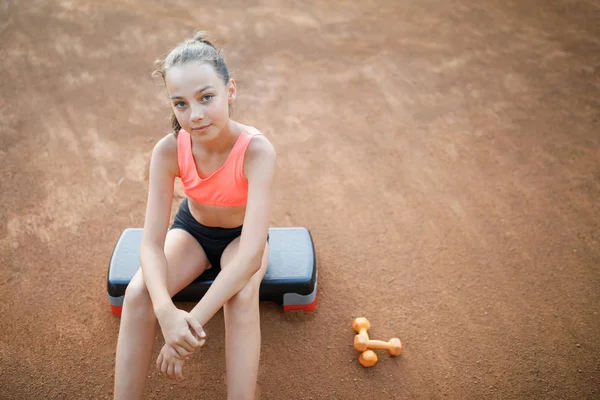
column 136, row 294
column 245, row 298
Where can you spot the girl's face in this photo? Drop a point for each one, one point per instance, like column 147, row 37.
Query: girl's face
column 199, row 98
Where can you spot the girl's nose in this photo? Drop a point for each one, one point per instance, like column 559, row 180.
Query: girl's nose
column 197, row 114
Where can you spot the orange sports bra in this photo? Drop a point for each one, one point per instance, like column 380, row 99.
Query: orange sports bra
column 227, row 186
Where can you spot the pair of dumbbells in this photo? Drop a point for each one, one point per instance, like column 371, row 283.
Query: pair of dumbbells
column 365, row 346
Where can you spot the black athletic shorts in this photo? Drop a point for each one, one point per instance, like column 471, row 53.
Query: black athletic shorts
column 213, row 240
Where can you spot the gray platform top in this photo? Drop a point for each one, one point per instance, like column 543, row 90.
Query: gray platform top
column 291, row 255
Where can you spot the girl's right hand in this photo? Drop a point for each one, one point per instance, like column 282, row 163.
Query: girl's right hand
column 181, row 331
column 169, row 363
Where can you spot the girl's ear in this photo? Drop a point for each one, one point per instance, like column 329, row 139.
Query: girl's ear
column 231, row 91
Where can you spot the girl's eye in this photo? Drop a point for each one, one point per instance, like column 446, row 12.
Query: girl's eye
column 180, row 104
column 207, row 97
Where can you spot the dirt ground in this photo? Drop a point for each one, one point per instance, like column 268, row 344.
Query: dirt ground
column 445, row 156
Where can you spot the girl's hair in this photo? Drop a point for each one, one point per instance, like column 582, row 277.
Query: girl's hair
column 196, row 48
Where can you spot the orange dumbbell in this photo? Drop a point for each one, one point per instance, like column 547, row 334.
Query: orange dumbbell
column 361, row 325
column 363, row 344
column 368, row 358
column 393, row 346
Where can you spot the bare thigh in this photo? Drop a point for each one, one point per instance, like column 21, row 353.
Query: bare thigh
column 186, row 261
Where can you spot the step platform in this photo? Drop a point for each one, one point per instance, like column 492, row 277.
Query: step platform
column 290, row 280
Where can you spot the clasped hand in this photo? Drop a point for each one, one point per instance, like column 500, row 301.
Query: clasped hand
column 183, row 335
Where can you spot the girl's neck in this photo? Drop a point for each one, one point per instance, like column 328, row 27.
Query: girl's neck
column 224, row 140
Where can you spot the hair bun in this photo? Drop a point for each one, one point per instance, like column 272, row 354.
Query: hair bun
column 200, row 37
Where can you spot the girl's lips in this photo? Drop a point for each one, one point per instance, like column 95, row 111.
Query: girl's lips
column 201, row 128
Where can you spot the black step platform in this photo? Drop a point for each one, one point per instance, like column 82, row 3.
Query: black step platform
column 290, row 280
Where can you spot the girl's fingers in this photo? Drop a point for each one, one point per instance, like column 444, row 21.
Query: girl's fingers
column 169, row 362
column 196, row 327
column 191, row 340
column 170, row 369
column 163, row 366
column 183, row 352
column 159, row 361
column 185, row 344
column 179, row 371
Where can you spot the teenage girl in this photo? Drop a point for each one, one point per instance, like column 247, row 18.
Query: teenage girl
column 226, row 170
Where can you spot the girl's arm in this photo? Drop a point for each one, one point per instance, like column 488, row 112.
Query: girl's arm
column 259, row 168
column 158, row 212
column 175, row 324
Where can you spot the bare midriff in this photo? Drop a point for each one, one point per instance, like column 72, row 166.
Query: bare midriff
column 217, row 216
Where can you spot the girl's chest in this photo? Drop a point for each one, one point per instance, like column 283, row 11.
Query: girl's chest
column 207, row 165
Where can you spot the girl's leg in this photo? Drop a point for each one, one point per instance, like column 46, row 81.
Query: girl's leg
column 242, row 331
column 136, row 334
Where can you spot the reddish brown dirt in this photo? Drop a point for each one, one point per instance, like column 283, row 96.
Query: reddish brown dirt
column 444, row 154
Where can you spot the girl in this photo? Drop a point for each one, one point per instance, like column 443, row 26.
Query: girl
column 226, row 170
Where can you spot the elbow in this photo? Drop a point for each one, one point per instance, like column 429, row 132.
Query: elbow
column 151, row 242
column 257, row 261
column 255, row 258
column 148, row 249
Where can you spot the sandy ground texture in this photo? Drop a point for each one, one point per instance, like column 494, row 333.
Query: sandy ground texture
column 444, row 154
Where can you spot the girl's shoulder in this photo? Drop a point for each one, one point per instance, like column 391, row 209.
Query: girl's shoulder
column 259, row 145
column 167, row 145
column 260, row 151
column 165, row 152
column 258, row 138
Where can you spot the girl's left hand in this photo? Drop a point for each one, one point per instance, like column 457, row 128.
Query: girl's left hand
column 170, row 363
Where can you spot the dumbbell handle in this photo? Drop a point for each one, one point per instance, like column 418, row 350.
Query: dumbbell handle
column 360, row 340
column 363, row 332
column 389, row 346
column 378, row 344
